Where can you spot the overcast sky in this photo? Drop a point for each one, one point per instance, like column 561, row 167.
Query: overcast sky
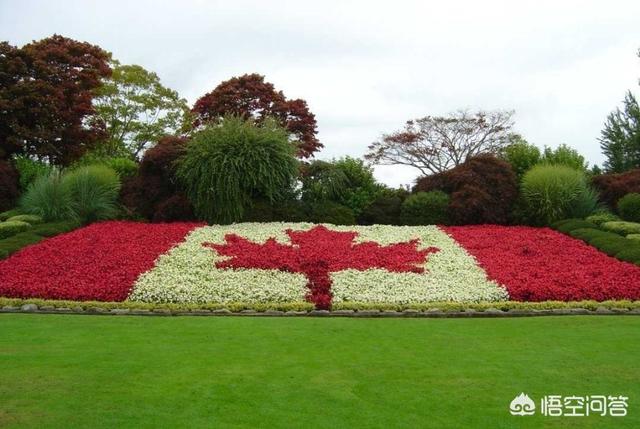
column 366, row 67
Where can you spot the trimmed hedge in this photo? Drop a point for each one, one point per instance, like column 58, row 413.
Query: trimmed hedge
column 9, row 214
column 600, row 218
column 569, row 225
column 13, row 244
column 8, row 229
column 621, row 227
column 28, row 218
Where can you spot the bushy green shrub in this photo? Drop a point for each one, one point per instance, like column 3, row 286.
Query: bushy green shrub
column 48, row 198
column 30, row 170
column 124, row 167
column 629, row 207
column 7, row 229
column 630, row 255
column 9, row 214
column 589, row 234
column 552, row 192
column 54, row 228
column 621, row 227
column 346, row 181
column 425, row 208
column 570, row 224
column 633, row 237
column 228, row 164
column 11, row 245
column 384, row 210
column 602, row 217
column 330, row 212
column 94, row 192
column 30, row 219
column 611, row 245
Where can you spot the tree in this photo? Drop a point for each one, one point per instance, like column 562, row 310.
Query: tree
column 521, row 154
column 620, row 138
column 564, row 155
column 46, row 90
column 434, row 144
column 250, row 97
column 137, row 110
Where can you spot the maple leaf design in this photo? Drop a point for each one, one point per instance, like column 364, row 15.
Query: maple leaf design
column 317, row 253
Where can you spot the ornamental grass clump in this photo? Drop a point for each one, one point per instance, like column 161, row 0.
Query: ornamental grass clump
column 94, row 192
column 553, row 192
column 229, row 163
column 48, row 198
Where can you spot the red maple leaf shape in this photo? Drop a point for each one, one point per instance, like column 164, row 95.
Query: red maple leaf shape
column 317, row 253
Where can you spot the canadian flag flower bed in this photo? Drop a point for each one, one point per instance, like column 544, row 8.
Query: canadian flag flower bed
column 280, row 263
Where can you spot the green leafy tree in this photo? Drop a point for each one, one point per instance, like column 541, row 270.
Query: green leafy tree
column 564, row 155
column 620, row 139
column 137, row 110
column 521, row 154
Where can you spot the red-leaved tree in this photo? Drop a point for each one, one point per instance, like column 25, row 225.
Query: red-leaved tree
column 249, row 96
column 46, row 92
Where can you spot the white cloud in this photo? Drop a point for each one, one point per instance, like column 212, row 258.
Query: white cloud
column 365, row 67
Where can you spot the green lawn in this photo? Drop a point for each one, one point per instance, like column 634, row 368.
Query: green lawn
column 100, row 371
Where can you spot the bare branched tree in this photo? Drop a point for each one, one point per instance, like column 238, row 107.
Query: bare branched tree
column 434, row 144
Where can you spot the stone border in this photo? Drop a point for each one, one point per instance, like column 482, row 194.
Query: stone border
column 373, row 313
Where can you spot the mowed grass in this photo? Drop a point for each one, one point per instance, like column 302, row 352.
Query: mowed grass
column 101, row 371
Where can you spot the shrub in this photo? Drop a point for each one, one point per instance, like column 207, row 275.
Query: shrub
column 227, row 165
column 612, row 187
column 30, row 219
column 589, row 234
column 9, row 185
column 346, row 181
column 124, row 167
column 48, row 198
column 522, row 156
column 629, row 207
column 330, row 212
column 630, row 255
column 9, row 214
column 7, row 229
column 621, row 227
column 482, row 190
column 425, row 208
column 570, row 224
column 384, row 210
column 175, row 208
column 600, row 218
column 30, row 170
column 94, row 192
column 11, row 245
column 610, row 245
column 552, row 192
column 633, row 236
column 52, row 229
column 155, row 182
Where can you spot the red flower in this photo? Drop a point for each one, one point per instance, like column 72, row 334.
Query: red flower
column 538, row 264
column 318, row 252
column 100, row 262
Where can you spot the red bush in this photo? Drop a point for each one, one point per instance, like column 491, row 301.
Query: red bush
column 9, row 185
column 100, row 262
column 612, row 187
column 482, row 190
column 154, row 192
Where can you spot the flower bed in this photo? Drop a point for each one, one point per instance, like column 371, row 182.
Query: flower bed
column 327, row 265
